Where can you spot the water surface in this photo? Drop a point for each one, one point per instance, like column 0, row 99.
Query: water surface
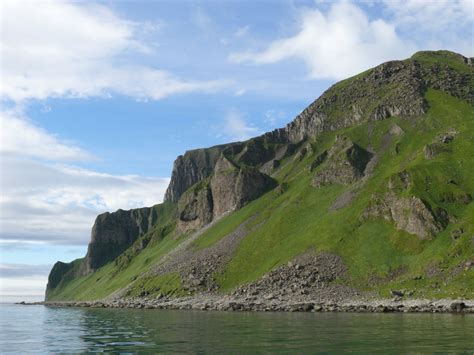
column 39, row 329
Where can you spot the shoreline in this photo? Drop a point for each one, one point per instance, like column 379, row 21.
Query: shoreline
column 228, row 303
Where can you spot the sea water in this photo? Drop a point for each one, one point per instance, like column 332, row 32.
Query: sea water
column 40, row 329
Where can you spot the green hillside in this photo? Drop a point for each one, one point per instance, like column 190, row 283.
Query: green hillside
column 389, row 190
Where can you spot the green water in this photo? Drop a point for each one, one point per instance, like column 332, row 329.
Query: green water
column 38, row 329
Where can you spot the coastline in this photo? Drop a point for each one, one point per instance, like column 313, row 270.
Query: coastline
column 229, row 303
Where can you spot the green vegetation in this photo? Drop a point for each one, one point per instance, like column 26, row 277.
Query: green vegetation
column 296, row 217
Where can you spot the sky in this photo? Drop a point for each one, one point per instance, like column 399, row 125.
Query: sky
column 99, row 98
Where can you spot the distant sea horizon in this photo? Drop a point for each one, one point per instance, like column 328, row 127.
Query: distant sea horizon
column 20, row 298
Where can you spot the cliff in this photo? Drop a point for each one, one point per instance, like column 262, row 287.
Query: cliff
column 375, row 171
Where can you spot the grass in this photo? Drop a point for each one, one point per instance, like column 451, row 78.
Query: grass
column 299, row 220
column 289, row 221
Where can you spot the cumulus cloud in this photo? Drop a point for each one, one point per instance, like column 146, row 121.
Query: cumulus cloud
column 235, row 127
column 45, row 199
column 334, row 45
column 59, row 49
column 20, row 137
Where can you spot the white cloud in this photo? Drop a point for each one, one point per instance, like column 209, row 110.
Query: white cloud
column 59, row 49
column 21, row 137
column 235, row 127
column 433, row 15
column 336, row 44
column 42, row 202
column 440, row 24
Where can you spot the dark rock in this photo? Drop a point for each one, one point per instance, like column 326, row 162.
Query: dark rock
column 457, row 306
column 397, row 293
column 190, row 168
column 113, row 233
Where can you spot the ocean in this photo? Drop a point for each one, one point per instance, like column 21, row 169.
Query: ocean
column 41, row 329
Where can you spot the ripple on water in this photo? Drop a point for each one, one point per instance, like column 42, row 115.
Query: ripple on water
column 33, row 329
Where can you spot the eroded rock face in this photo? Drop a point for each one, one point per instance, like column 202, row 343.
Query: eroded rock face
column 398, row 87
column 190, row 168
column 356, row 101
column 410, row 214
column 113, row 233
column 195, row 208
column 229, row 189
column 232, row 188
column 57, row 274
column 345, row 163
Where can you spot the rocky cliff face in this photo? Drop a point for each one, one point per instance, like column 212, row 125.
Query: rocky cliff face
column 57, row 274
column 232, row 188
column 208, row 183
column 113, row 233
column 394, row 88
column 229, row 188
column 190, row 168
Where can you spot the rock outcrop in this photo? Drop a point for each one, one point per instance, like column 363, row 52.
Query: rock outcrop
column 209, row 183
column 410, row 214
column 113, row 233
column 195, row 208
column 57, row 274
column 344, row 163
column 190, row 168
column 228, row 189
column 355, row 100
column 233, row 187
column 440, row 145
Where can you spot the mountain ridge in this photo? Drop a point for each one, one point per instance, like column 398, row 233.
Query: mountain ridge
column 210, row 183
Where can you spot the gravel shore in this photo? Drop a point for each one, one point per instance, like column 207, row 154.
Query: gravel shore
column 232, row 303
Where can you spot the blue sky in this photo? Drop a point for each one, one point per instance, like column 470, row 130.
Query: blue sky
column 98, row 98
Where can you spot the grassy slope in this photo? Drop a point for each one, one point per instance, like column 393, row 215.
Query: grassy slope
column 127, row 268
column 299, row 220
column 290, row 223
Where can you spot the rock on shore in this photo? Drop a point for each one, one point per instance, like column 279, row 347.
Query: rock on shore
column 231, row 303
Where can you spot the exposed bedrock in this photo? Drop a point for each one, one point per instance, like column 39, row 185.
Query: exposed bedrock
column 229, row 188
column 344, row 163
column 113, row 233
column 409, row 213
